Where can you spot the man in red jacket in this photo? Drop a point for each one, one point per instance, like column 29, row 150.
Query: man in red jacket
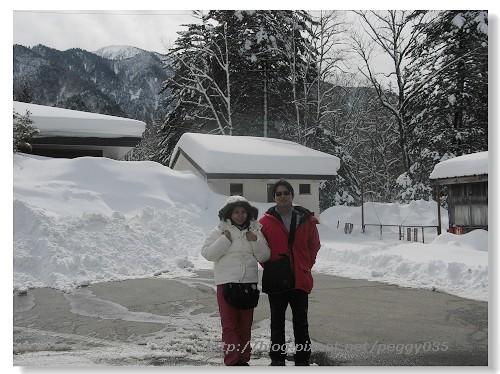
column 276, row 227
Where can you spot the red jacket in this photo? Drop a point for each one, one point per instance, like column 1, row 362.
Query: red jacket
column 305, row 246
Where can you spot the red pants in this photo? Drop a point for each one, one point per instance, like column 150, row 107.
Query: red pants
column 236, row 331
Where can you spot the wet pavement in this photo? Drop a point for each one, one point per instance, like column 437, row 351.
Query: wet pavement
column 170, row 322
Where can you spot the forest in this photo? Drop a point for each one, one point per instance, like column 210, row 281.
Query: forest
column 391, row 93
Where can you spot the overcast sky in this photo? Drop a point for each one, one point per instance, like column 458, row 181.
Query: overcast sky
column 90, row 30
column 151, row 30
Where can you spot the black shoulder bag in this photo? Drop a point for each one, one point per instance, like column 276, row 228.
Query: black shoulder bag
column 241, row 295
column 278, row 274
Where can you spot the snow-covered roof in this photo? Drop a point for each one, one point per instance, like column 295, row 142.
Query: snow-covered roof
column 226, row 155
column 462, row 166
column 53, row 121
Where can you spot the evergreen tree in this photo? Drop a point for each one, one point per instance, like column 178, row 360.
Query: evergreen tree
column 448, row 99
column 23, row 131
column 25, row 95
column 235, row 70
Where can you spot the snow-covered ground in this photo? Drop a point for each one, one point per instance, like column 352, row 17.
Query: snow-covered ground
column 90, row 220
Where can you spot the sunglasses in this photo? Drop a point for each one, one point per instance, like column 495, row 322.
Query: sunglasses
column 286, row 193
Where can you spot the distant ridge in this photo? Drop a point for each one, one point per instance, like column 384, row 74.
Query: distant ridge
column 118, row 52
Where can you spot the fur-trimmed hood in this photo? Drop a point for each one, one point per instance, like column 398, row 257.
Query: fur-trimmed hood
column 234, row 201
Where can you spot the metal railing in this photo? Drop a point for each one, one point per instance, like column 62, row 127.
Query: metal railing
column 411, row 233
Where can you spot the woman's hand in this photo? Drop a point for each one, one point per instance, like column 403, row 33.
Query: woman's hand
column 228, row 234
column 251, row 237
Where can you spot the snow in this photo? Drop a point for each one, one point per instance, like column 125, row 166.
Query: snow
column 274, row 156
column 118, row 52
column 466, row 165
column 89, row 220
column 85, row 220
column 52, row 121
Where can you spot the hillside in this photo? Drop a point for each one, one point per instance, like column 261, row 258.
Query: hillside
column 116, row 80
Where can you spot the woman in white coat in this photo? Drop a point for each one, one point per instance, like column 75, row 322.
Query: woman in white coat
column 236, row 246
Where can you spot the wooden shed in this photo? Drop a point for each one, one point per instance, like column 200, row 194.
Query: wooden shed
column 466, row 179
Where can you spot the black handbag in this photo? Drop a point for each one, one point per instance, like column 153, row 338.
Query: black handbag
column 241, row 295
column 278, row 275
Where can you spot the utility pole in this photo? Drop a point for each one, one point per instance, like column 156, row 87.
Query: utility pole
column 265, row 99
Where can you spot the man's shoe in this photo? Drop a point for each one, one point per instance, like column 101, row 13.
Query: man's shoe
column 277, row 363
column 302, row 363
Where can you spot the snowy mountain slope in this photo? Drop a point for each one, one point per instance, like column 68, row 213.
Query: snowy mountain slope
column 118, row 52
column 125, row 84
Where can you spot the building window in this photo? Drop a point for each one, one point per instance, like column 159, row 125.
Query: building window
column 304, row 189
column 236, row 189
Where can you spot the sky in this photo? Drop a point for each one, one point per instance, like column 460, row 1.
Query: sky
column 152, row 30
column 90, row 30
column 87, row 220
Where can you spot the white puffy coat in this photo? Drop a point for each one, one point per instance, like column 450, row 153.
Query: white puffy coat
column 237, row 260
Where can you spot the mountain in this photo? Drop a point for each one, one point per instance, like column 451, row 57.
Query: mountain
column 122, row 81
column 118, row 52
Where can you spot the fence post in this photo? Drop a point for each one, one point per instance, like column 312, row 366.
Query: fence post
column 438, row 200
column 362, row 209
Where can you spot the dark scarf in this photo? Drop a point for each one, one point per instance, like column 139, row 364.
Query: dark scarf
column 245, row 225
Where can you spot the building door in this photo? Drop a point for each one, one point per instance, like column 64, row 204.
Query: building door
column 270, row 196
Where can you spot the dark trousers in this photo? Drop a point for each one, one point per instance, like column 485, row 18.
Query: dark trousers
column 298, row 301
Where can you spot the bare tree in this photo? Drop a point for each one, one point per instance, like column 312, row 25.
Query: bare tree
column 328, row 40
column 389, row 34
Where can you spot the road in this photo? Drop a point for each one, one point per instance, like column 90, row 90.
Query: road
column 159, row 321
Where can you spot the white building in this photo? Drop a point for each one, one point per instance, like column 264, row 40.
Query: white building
column 71, row 133
column 249, row 166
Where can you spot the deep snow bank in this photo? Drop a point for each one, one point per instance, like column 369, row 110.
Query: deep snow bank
column 95, row 219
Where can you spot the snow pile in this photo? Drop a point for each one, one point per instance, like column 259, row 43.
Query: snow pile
column 417, row 213
column 455, row 264
column 95, row 219
column 67, row 252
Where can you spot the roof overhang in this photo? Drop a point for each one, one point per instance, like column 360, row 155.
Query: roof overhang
column 460, row 180
column 83, row 141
